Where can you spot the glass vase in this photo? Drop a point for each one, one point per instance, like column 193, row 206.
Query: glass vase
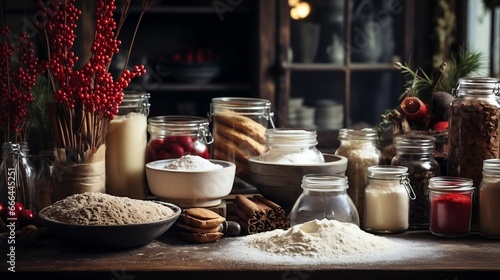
column 17, row 178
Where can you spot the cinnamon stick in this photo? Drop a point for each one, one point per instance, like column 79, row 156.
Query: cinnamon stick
column 282, row 221
column 254, row 218
column 270, row 217
column 248, row 206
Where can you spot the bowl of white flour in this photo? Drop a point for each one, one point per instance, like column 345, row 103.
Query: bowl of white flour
column 191, row 181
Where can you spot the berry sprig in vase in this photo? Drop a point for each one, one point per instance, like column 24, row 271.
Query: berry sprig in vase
column 19, row 68
column 85, row 99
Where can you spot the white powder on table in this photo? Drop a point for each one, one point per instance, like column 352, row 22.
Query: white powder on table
column 320, row 239
column 192, row 162
column 94, row 208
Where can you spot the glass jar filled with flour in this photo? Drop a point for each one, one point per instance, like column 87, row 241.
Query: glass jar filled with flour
column 415, row 153
column 324, row 197
column 177, row 135
column 489, row 199
column 126, row 142
column 387, row 199
column 239, row 126
column 291, row 146
column 360, row 149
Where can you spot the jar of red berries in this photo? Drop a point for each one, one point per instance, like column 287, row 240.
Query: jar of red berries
column 176, row 136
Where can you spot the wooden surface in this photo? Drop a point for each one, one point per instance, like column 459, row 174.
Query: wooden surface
column 474, row 257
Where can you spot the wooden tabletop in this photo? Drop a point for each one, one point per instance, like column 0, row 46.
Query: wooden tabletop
column 473, row 257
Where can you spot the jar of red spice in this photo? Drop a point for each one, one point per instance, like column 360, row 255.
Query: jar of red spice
column 450, row 206
column 176, row 136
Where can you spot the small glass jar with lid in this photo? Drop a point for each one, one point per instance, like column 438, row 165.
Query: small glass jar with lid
column 387, row 199
column 414, row 151
column 360, row 149
column 489, row 199
column 450, row 206
column 324, row 196
column 474, row 129
column 176, row 136
column 291, row 146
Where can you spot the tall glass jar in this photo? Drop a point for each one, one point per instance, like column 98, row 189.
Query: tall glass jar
column 489, row 199
column 239, row 125
column 415, row 153
column 450, row 206
column 387, row 199
column 126, row 142
column 324, row 197
column 360, row 149
column 17, row 176
column 176, row 136
column 473, row 129
column 291, row 146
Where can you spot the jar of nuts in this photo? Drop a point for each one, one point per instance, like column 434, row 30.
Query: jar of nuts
column 415, row 153
column 473, row 129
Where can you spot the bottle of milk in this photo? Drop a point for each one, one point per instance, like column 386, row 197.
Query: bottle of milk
column 126, row 142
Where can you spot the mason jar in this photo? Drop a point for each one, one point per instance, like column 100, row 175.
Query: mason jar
column 126, row 141
column 415, row 151
column 473, row 129
column 360, row 149
column 387, row 199
column 489, row 199
column 239, row 128
column 291, row 146
column 178, row 135
column 324, row 197
column 450, row 206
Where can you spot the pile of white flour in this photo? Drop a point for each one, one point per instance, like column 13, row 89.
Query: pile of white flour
column 94, row 208
column 192, row 162
column 322, row 241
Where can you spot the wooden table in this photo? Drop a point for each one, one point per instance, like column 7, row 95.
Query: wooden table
column 474, row 257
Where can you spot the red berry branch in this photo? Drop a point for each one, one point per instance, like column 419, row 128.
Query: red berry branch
column 86, row 99
column 18, row 71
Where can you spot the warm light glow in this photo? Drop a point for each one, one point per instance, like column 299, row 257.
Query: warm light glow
column 293, row 3
column 300, row 11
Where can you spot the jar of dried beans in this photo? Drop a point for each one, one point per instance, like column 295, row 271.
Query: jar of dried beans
column 360, row 149
column 415, row 153
column 473, row 129
column 450, row 206
column 176, row 136
column 489, row 199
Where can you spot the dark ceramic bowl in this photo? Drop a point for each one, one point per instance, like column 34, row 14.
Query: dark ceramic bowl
column 112, row 236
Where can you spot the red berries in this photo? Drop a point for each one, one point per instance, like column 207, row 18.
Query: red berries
column 18, row 213
column 176, row 147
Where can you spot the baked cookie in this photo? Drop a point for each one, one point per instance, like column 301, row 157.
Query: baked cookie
column 242, row 124
column 201, row 237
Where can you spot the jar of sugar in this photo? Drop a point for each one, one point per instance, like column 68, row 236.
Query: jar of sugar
column 324, row 196
column 387, row 199
column 291, row 146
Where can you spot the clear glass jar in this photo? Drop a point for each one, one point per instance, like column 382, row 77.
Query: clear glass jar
column 473, row 129
column 360, row 149
column 176, row 136
column 415, row 153
column 387, row 199
column 17, row 177
column 239, row 125
column 291, row 146
column 489, row 199
column 324, row 197
column 126, row 142
column 45, row 178
column 450, row 206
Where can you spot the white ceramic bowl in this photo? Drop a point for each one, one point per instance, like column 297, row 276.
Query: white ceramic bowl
column 190, row 188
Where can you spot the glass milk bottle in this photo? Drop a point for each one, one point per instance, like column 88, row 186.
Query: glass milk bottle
column 324, row 197
column 489, row 199
column 126, row 147
column 360, row 149
column 387, row 199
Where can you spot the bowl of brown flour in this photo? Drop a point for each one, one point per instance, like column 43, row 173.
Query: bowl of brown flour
column 109, row 222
